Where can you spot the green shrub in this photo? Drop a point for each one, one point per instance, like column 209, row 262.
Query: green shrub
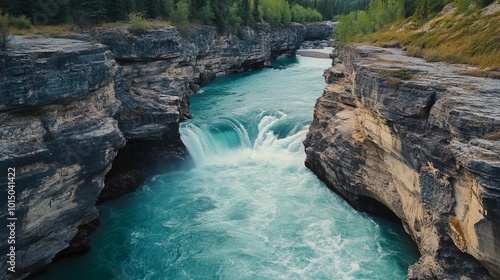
column 402, row 73
column 463, row 5
column 257, row 10
column 415, row 51
column 437, row 55
column 138, row 24
column 245, row 11
column 286, row 15
column 466, row 5
column 377, row 15
column 233, row 20
column 298, row 13
column 21, row 22
column 346, row 28
column 276, row 11
column 271, row 16
column 168, row 7
column 312, row 15
column 206, row 14
column 4, row 30
column 181, row 13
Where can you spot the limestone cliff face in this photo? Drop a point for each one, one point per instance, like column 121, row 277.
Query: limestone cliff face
column 426, row 149
column 57, row 130
column 85, row 121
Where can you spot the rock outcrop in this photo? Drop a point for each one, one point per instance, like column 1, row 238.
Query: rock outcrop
column 58, row 132
column 425, row 148
column 85, row 121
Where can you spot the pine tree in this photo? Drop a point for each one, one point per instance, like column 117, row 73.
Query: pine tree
column 206, row 14
column 245, row 11
column 221, row 9
column 150, row 9
column 181, row 13
column 168, row 8
column 256, row 16
column 116, row 10
column 93, row 9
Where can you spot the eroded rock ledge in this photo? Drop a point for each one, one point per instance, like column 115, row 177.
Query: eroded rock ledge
column 426, row 149
column 69, row 109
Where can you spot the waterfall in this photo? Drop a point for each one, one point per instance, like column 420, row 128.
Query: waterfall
column 272, row 133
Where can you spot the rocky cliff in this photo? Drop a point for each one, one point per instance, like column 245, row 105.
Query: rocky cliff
column 398, row 136
column 58, row 132
column 89, row 120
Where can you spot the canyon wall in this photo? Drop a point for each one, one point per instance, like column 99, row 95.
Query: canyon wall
column 87, row 120
column 58, row 132
column 398, row 136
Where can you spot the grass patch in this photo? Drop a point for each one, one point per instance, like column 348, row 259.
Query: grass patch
column 113, row 25
column 45, row 30
column 482, row 73
column 139, row 25
column 415, row 51
column 402, row 73
column 71, row 29
column 20, row 22
column 434, row 55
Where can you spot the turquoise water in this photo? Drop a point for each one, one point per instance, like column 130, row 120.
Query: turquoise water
column 247, row 208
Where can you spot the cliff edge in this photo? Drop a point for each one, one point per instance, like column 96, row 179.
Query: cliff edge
column 88, row 120
column 395, row 135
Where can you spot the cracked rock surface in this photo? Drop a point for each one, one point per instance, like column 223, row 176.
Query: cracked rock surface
column 426, row 149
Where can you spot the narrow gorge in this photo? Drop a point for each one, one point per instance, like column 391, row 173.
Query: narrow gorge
column 245, row 207
column 397, row 136
column 217, row 163
column 71, row 108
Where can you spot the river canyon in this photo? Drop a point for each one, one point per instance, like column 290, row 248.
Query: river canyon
column 212, row 164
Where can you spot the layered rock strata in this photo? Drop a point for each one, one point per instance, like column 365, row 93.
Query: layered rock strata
column 58, row 132
column 396, row 135
column 71, row 109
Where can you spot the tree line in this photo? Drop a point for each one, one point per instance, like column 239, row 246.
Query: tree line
column 218, row 12
column 222, row 13
column 331, row 9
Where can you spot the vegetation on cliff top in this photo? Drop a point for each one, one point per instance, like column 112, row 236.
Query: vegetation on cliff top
column 29, row 17
column 49, row 17
column 402, row 73
column 460, row 31
column 222, row 13
column 81, row 11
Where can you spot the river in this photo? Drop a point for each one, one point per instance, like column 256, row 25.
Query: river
column 246, row 207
